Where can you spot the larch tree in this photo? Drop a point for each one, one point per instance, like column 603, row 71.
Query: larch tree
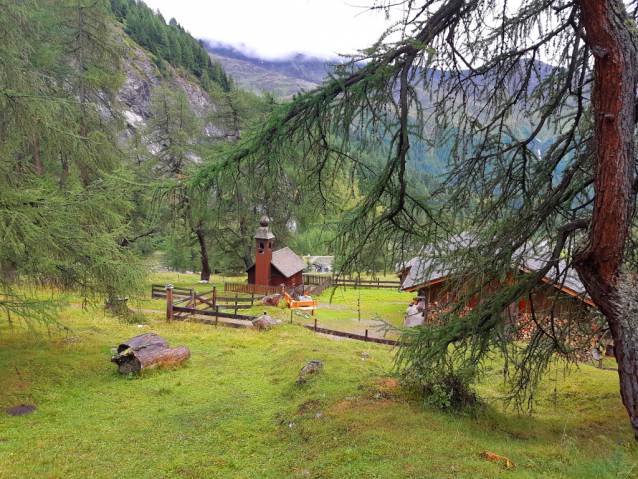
column 493, row 83
column 173, row 128
column 56, row 230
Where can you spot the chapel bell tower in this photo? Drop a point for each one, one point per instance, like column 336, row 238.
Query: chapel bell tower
column 264, row 238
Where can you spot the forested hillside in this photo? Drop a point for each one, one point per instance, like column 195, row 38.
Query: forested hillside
column 169, row 42
column 93, row 123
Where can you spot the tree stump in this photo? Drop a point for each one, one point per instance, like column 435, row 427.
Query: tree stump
column 147, row 357
column 147, row 339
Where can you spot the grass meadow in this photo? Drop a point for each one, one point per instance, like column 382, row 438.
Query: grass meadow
column 235, row 410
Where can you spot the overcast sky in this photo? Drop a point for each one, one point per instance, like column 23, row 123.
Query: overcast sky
column 277, row 28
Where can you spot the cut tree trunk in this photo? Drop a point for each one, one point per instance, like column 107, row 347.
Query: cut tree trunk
column 147, row 339
column 148, row 357
column 611, row 36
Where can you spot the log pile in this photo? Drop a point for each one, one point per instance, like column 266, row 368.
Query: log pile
column 148, row 351
column 575, row 336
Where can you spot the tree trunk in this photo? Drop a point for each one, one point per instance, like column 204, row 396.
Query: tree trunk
column 205, row 276
column 610, row 34
column 131, row 360
column 84, row 170
column 36, row 152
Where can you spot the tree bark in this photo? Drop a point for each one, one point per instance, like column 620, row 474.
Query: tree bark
column 132, row 360
column 205, row 275
column 84, row 171
column 36, row 152
column 147, row 339
column 611, row 35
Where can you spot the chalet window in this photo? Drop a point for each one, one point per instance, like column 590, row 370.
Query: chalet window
column 269, row 245
column 261, row 247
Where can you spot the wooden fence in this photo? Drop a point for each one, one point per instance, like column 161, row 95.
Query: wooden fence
column 314, row 279
column 261, row 289
column 208, row 303
column 158, row 291
column 358, row 337
column 320, row 288
column 295, row 291
column 362, row 283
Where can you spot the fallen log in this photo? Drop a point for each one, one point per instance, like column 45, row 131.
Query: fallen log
column 146, row 339
column 133, row 360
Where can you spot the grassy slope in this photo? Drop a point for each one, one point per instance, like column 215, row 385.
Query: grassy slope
column 234, row 410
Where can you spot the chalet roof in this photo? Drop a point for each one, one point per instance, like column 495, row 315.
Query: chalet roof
column 287, row 262
column 563, row 276
column 427, row 268
column 321, row 260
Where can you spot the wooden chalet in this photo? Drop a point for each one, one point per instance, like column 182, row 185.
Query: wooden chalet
column 433, row 284
column 274, row 268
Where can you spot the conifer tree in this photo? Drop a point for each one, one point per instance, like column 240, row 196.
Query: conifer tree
column 55, row 230
column 471, row 72
column 174, row 127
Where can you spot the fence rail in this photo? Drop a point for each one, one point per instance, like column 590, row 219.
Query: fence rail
column 361, row 283
column 158, row 291
column 264, row 290
column 320, row 288
column 182, row 302
column 314, row 279
column 358, row 337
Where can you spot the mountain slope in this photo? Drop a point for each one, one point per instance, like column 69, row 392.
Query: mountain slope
column 299, row 66
column 255, row 78
column 142, row 77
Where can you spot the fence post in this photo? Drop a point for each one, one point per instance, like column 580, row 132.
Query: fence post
column 366, row 334
column 378, row 283
column 291, row 316
column 252, row 299
column 169, row 303
column 315, row 325
column 235, row 304
column 216, row 315
column 214, row 295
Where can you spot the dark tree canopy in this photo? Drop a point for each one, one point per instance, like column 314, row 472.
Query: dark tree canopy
column 495, row 84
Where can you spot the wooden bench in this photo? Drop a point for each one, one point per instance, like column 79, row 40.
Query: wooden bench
column 303, row 305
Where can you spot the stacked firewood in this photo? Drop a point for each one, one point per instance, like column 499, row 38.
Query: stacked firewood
column 581, row 338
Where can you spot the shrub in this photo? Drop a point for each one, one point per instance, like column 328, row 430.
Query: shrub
column 444, row 388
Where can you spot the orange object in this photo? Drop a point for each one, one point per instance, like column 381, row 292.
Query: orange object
column 490, row 456
column 312, row 305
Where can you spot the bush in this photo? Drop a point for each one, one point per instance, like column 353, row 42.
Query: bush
column 446, row 389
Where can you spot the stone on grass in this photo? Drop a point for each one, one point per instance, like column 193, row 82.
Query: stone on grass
column 272, row 300
column 312, row 367
column 21, row 410
column 265, row 322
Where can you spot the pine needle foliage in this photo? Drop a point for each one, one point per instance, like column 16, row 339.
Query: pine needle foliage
column 492, row 83
column 63, row 209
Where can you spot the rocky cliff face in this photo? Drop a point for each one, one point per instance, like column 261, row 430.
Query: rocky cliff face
column 142, row 78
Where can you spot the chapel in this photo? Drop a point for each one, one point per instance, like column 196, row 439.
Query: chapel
column 274, row 268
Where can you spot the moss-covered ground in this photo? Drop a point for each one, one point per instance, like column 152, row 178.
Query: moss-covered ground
column 235, row 410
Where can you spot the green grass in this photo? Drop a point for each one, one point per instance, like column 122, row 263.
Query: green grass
column 235, row 410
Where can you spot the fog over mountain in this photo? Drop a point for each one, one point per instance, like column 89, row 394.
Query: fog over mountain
column 295, row 65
